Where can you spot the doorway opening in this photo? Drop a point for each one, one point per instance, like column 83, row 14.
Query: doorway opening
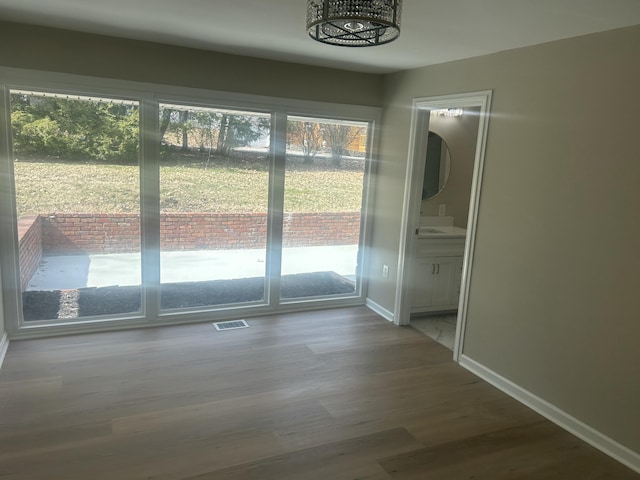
column 436, row 249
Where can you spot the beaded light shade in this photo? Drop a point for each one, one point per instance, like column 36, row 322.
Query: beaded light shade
column 354, row 23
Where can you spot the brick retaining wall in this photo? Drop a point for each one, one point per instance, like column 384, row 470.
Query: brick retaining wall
column 81, row 233
column 319, row 229
column 29, row 238
column 209, row 231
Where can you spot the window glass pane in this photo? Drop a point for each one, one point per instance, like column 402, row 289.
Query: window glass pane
column 78, row 205
column 214, row 183
column 324, row 173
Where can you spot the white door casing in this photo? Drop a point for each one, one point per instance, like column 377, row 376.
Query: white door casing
column 421, row 109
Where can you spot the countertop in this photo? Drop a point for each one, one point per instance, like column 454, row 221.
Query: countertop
column 442, row 232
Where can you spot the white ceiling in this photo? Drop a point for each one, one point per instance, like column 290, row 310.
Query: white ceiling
column 433, row 31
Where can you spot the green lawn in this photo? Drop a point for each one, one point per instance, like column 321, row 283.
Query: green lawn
column 227, row 185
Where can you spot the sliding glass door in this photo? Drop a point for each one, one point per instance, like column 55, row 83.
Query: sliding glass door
column 214, row 186
column 76, row 178
column 324, row 174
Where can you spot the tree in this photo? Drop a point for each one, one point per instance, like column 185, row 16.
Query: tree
column 175, row 124
column 206, row 129
column 338, row 138
column 211, row 129
column 184, row 120
column 239, row 131
column 307, row 136
column 74, row 128
column 165, row 120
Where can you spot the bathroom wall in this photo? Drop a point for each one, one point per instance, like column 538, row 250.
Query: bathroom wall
column 460, row 135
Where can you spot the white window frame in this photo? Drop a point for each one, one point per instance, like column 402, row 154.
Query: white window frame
column 150, row 96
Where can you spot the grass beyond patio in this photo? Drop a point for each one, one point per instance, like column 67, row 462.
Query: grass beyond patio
column 189, row 183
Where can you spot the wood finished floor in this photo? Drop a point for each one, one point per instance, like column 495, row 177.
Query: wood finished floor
column 336, row 394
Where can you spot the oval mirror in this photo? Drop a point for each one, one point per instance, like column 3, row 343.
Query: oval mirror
column 437, row 166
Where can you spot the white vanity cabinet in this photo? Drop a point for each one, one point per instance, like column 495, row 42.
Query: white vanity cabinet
column 437, row 274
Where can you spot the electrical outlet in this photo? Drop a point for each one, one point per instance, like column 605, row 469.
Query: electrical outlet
column 385, row 271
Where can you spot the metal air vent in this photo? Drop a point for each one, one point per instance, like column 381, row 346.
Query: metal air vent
column 232, row 325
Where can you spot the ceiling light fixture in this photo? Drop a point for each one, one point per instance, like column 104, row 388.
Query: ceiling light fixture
column 354, row 23
column 448, row 112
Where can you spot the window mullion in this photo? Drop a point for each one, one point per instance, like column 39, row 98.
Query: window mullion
column 150, row 205
column 276, row 206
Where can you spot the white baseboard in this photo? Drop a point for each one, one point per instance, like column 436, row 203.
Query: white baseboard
column 581, row 430
column 383, row 312
column 4, row 345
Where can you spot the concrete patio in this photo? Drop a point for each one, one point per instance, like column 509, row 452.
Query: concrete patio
column 68, row 272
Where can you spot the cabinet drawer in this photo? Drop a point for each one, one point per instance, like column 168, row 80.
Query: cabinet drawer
column 436, row 247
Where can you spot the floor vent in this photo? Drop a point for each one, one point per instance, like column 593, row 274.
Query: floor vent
column 231, row 325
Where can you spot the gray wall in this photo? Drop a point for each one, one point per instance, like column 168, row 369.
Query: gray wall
column 460, row 135
column 2, row 329
column 553, row 304
column 48, row 49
